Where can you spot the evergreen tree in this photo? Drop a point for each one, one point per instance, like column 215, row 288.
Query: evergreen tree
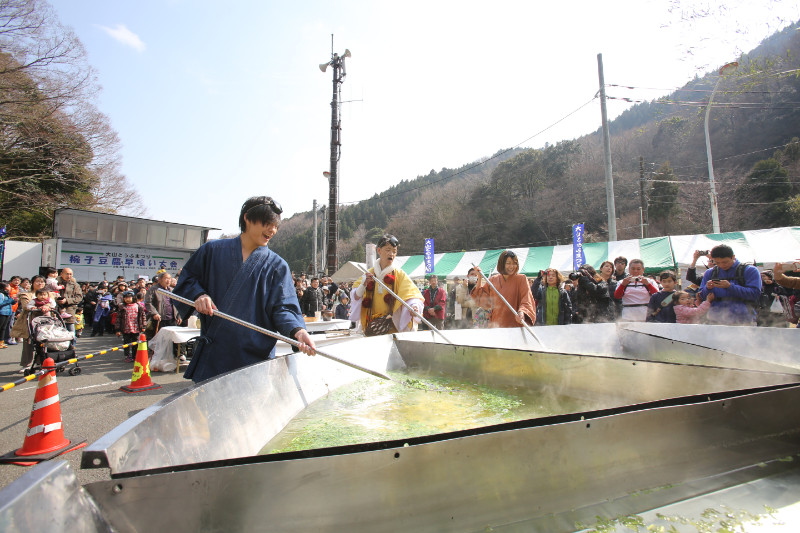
column 663, row 199
column 767, row 188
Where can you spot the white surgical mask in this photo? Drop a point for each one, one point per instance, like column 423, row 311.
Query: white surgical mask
column 473, row 279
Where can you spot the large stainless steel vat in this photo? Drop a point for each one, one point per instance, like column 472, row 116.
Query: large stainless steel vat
column 676, row 412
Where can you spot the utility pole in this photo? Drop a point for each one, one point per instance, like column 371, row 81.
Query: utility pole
column 316, row 269
column 712, row 186
column 642, row 198
column 323, row 259
column 612, row 210
column 339, row 73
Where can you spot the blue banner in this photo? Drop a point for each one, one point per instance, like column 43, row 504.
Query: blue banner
column 578, row 258
column 428, row 256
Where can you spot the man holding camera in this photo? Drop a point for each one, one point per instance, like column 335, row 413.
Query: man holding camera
column 736, row 288
column 635, row 291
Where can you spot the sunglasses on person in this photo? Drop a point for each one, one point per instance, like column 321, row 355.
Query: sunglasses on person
column 388, row 240
column 275, row 206
column 509, row 253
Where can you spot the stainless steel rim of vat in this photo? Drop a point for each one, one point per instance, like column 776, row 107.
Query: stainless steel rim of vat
column 680, row 412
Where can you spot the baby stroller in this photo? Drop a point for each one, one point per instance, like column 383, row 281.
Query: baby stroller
column 51, row 338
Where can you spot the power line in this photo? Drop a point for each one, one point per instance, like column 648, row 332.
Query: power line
column 722, row 105
column 382, row 196
column 704, row 164
column 790, row 72
column 678, row 89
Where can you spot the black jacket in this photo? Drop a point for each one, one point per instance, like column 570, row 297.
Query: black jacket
column 593, row 301
column 312, row 301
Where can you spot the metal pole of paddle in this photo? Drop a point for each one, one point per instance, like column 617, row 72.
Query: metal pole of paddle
column 407, row 306
column 524, row 325
column 275, row 335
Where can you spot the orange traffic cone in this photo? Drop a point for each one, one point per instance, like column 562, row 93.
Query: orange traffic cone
column 140, row 381
column 45, row 437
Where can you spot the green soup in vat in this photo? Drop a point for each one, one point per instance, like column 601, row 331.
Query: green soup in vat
column 373, row 410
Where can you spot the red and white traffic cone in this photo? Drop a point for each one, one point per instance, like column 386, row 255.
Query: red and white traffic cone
column 45, row 436
column 140, row 380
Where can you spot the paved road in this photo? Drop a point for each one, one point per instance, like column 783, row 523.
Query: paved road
column 91, row 403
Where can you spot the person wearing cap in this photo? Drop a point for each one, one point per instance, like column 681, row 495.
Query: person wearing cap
column 342, row 310
column 372, row 303
column 130, row 323
column 120, row 291
column 242, row 277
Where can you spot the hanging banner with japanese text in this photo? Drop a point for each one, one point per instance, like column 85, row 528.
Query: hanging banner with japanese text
column 428, row 256
column 578, row 258
column 95, row 262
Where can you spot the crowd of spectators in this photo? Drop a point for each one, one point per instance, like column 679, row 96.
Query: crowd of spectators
column 726, row 292
column 105, row 307
column 321, row 298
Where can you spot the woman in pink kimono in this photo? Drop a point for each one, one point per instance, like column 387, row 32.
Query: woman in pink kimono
column 514, row 288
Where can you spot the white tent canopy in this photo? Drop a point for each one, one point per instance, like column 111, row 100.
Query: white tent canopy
column 348, row 272
column 764, row 246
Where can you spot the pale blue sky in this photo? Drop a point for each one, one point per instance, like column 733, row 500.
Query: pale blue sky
column 216, row 102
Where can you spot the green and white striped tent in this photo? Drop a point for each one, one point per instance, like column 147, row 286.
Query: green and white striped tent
column 655, row 252
column 764, row 247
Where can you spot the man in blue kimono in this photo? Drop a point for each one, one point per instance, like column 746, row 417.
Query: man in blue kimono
column 242, row 277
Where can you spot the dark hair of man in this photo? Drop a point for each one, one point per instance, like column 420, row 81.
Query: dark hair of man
column 622, row 260
column 260, row 210
column 721, row 250
column 14, row 277
column 668, row 274
column 501, row 261
column 314, row 279
column 387, row 238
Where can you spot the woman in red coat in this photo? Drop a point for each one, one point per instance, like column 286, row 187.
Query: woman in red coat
column 514, row 288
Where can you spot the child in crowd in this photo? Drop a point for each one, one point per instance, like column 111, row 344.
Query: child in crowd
column 79, row 321
column 685, row 310
column 660, row 308
column 140, row 299
column 6, row 303
column 43, row 303
column 51, row 283
column 130, row 323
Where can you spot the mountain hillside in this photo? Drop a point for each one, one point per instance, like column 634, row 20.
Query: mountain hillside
column 530, row 197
